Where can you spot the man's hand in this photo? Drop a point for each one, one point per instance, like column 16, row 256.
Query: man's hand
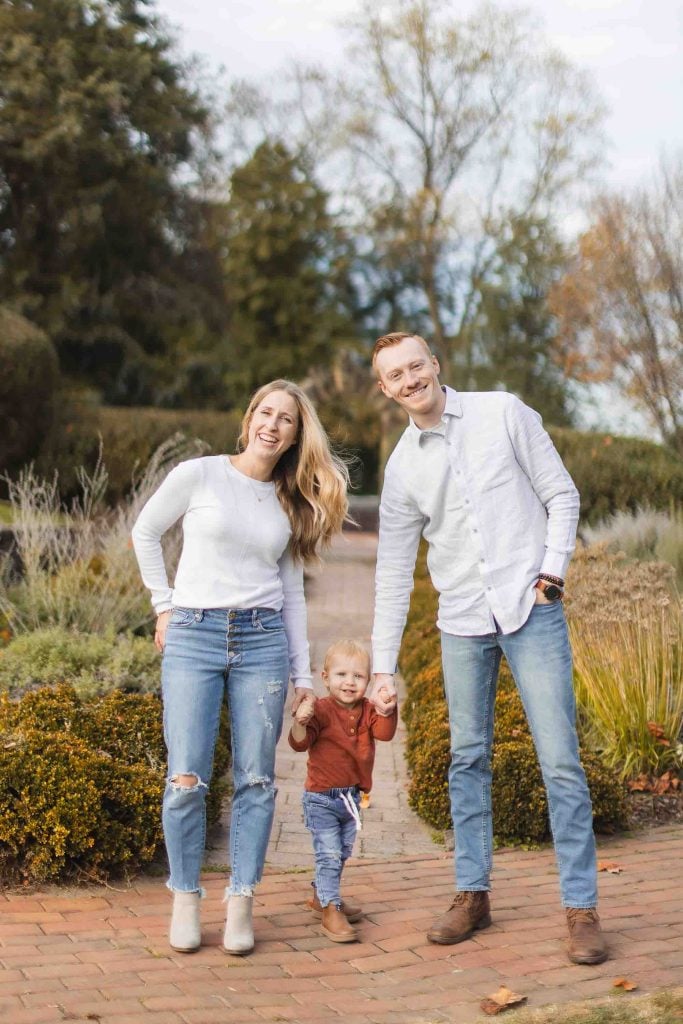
column 384, row 695
column 541, row 598
column 160, row 631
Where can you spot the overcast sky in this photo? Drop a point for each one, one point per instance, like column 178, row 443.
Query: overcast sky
column 634, row 49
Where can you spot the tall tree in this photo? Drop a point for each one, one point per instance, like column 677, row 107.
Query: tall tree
column 450, row 123
column 620, row 306
column 286, row 270
column 99, row 129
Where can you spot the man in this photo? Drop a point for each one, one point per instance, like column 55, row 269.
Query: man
column 478, row 477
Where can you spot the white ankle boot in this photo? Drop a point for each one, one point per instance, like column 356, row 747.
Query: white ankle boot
column 185, row 935
column 239, row 929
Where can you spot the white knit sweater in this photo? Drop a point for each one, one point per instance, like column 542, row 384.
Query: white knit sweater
column 235, row 549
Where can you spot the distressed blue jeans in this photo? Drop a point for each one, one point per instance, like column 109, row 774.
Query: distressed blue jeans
column 540, row 659
column 333, row 831
column 208, row 653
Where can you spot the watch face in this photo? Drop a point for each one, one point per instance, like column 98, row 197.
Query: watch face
column 552, row 592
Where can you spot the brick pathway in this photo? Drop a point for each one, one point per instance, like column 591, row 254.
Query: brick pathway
column 100, row 954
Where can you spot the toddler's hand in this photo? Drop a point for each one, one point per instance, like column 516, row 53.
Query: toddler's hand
column 304, row 712
column 390, row 700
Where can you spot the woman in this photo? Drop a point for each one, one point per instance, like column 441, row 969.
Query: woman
column 236, row 620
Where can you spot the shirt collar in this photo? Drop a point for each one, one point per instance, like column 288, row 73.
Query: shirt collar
column 453, row 407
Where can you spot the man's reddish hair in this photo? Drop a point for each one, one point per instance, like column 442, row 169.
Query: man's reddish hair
column 387, row 340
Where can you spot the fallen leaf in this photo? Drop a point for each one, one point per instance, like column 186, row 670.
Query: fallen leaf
column 611, row 866
column 503, row 999
column 628, row 986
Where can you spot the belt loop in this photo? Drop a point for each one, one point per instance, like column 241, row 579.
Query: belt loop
column 254, row 617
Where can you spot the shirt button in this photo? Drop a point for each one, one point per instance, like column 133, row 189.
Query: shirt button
column 352, row 731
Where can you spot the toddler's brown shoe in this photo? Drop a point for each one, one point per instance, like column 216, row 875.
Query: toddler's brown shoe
column 468, row 912
column 586, row 941
column 336, row 925
column 352, row 911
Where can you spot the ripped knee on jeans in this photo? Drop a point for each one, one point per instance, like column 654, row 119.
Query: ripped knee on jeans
column 186, row 781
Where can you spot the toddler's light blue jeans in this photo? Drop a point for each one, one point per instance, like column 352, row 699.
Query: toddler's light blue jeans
column 540, row 658
column 208, row 652
column 333, row 831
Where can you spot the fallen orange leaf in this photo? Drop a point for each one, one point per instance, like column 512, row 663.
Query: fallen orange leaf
column 611, row 866
column 503, row 999
column 628, row 986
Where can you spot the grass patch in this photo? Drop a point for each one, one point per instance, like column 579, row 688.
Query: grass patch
column 5, row 513
column 661, row 1008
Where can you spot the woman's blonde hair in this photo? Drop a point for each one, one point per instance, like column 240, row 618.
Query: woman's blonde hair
column 310, row 480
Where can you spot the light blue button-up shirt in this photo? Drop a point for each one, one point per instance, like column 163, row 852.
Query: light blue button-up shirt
column 490, row 494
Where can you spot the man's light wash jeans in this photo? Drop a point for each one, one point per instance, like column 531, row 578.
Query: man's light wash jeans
column 208, row 651
column 540, row 659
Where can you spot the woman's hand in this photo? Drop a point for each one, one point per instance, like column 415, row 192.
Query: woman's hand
column 160, row 631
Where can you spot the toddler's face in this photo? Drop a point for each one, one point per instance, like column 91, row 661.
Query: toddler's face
column 346, row 679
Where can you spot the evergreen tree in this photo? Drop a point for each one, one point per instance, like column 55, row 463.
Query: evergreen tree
column 98, row 241
column 285, row 270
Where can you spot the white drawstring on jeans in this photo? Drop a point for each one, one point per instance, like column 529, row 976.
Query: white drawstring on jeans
column 350, row 805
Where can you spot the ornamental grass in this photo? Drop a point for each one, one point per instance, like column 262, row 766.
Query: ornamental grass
column 627, row 636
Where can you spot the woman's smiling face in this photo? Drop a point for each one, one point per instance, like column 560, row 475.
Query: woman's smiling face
column 274, row 426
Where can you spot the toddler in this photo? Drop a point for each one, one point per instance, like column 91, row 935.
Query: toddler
column 339, row 733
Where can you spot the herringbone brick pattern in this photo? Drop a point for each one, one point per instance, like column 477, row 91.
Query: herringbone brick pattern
column 102, row 954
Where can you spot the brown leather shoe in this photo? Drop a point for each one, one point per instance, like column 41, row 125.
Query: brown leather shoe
column 352, row 911
column 468, row 912
column 586, row 941
column 336, row 925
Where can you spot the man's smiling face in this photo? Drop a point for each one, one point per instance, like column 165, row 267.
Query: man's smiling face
column 409, row 374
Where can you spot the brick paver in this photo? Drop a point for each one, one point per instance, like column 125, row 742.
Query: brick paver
column 100, row 954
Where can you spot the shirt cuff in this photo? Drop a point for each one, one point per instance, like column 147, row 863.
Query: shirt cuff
column 555, row 564
column 383, row 664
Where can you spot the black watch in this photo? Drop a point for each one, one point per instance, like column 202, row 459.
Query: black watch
column 550, row 590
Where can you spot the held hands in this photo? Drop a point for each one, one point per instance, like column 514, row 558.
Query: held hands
column 160, row 630
column 384, row 695
column 303, row 706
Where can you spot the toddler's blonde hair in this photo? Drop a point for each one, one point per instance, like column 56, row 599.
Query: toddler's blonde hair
column 348, row 649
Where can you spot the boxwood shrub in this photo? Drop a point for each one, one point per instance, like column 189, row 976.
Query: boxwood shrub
column 81, row 783
column 520, row 809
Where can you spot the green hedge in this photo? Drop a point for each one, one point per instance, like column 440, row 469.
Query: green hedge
column 29, row 384
column 81, row 784
column 520, row 810
column 619, row 473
